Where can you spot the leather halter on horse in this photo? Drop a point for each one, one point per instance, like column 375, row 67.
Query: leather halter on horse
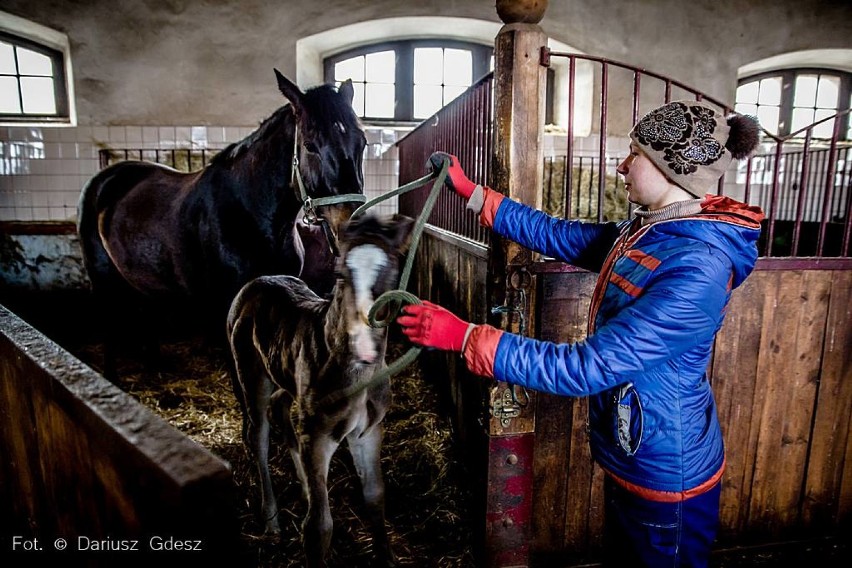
column 310, row 204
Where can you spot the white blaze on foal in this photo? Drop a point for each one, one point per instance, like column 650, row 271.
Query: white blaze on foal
column 365, row 263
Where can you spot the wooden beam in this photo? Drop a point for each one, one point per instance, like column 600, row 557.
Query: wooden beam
column 519, row 84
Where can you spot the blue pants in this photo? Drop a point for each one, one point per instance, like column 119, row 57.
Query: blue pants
column 639, row 532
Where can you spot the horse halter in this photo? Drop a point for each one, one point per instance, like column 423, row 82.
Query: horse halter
column 310, row 204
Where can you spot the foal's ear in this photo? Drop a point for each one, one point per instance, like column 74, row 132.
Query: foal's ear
column 401, row 237
column 289, row 90
column 346, row 90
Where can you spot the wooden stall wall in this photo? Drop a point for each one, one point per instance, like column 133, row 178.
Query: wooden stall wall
column 451, row 271
column 783, row 382
column 782, row 375
column 82, row 460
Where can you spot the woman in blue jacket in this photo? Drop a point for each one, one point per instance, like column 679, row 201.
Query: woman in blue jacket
column 665, row 280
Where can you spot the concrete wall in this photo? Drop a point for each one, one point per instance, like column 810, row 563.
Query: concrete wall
column 209, row 62
column 198, row 73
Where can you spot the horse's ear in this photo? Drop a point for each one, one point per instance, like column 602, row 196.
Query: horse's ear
column 346, row 90
column 401, row 237
column 289, row 90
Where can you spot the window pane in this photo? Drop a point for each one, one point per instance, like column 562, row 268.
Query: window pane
column 9, row 102
column 747, row 109
column 427, row 100
column 381, row 67
column 428, row 67
column 358, row 99
column 38, row 95
column 802, row 117
column 770, row 91
column 767, row 116
column 849, row 130
column 458, row 67
column 826, row 129
column 349, row 69
column 380, row 100
column 805, row 93
column 747, row 94
column 32, row 63
column 7, row 59
column 451, row 92
column 828, row 92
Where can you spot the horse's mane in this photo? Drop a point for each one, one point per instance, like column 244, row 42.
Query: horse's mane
column 268, row 127
column 322, row 106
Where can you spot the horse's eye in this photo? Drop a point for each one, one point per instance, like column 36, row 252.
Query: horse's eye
column 311, row 147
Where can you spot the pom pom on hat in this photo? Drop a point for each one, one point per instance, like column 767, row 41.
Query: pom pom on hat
column 743, row 137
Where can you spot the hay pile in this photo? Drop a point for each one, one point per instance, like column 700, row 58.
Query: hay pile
column 428, row 501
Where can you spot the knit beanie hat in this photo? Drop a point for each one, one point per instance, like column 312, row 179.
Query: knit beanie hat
column 693, row 144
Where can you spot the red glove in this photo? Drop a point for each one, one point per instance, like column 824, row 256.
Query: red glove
column 430, row 325
column 456, row 178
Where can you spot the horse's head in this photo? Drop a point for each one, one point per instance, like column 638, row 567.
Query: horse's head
column 330, row 144
column 369, row 266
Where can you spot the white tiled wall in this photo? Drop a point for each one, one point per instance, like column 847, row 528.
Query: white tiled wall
column 42, row 170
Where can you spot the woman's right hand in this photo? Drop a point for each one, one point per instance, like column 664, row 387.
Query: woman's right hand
column 456, row 178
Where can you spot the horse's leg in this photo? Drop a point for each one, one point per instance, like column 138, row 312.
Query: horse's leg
column 317, row 526
column 112, row 299
column 103, row 276
column 280, row 416
column 254, row 387
column 366, row 455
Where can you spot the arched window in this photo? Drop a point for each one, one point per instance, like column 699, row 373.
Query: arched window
column 407, row 81
column 789, row 100
column 35, row 74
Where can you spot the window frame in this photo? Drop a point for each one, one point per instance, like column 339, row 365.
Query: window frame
column 60, row 83
column 404, row 70
column 788, row 83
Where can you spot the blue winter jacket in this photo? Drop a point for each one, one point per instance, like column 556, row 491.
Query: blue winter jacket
column 659, row 301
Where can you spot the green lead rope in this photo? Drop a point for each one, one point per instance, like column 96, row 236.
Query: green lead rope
column 396, row 299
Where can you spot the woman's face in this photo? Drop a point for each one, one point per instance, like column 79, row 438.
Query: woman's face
column 645, row 184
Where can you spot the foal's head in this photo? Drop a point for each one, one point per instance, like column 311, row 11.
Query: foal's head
column 331, row 143
column 369, row 265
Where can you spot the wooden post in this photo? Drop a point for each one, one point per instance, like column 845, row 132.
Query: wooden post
column 519, row 99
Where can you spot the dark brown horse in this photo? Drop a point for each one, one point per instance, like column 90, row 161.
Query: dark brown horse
column 292, row 348
column 194, row 239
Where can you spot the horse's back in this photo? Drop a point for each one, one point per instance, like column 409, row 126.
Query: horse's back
column 132, row 210
column 274, row 301
column 113, row 183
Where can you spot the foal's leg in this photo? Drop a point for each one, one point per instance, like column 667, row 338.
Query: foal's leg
column 258, row 396
column 280, row 405
column 254, row 387
column 366, row 455
column 317, row 527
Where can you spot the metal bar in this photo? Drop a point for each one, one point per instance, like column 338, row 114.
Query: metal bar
column 773, row 197
column 803, row 263
column 829, row 188
column 847, row 231
column 634, row 115
column 569, row 150
column 646, row 72
column 747, row 193
column 803, row 190
column 602, row 143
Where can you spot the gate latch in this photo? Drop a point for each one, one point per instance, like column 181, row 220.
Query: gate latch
column 507, row 406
